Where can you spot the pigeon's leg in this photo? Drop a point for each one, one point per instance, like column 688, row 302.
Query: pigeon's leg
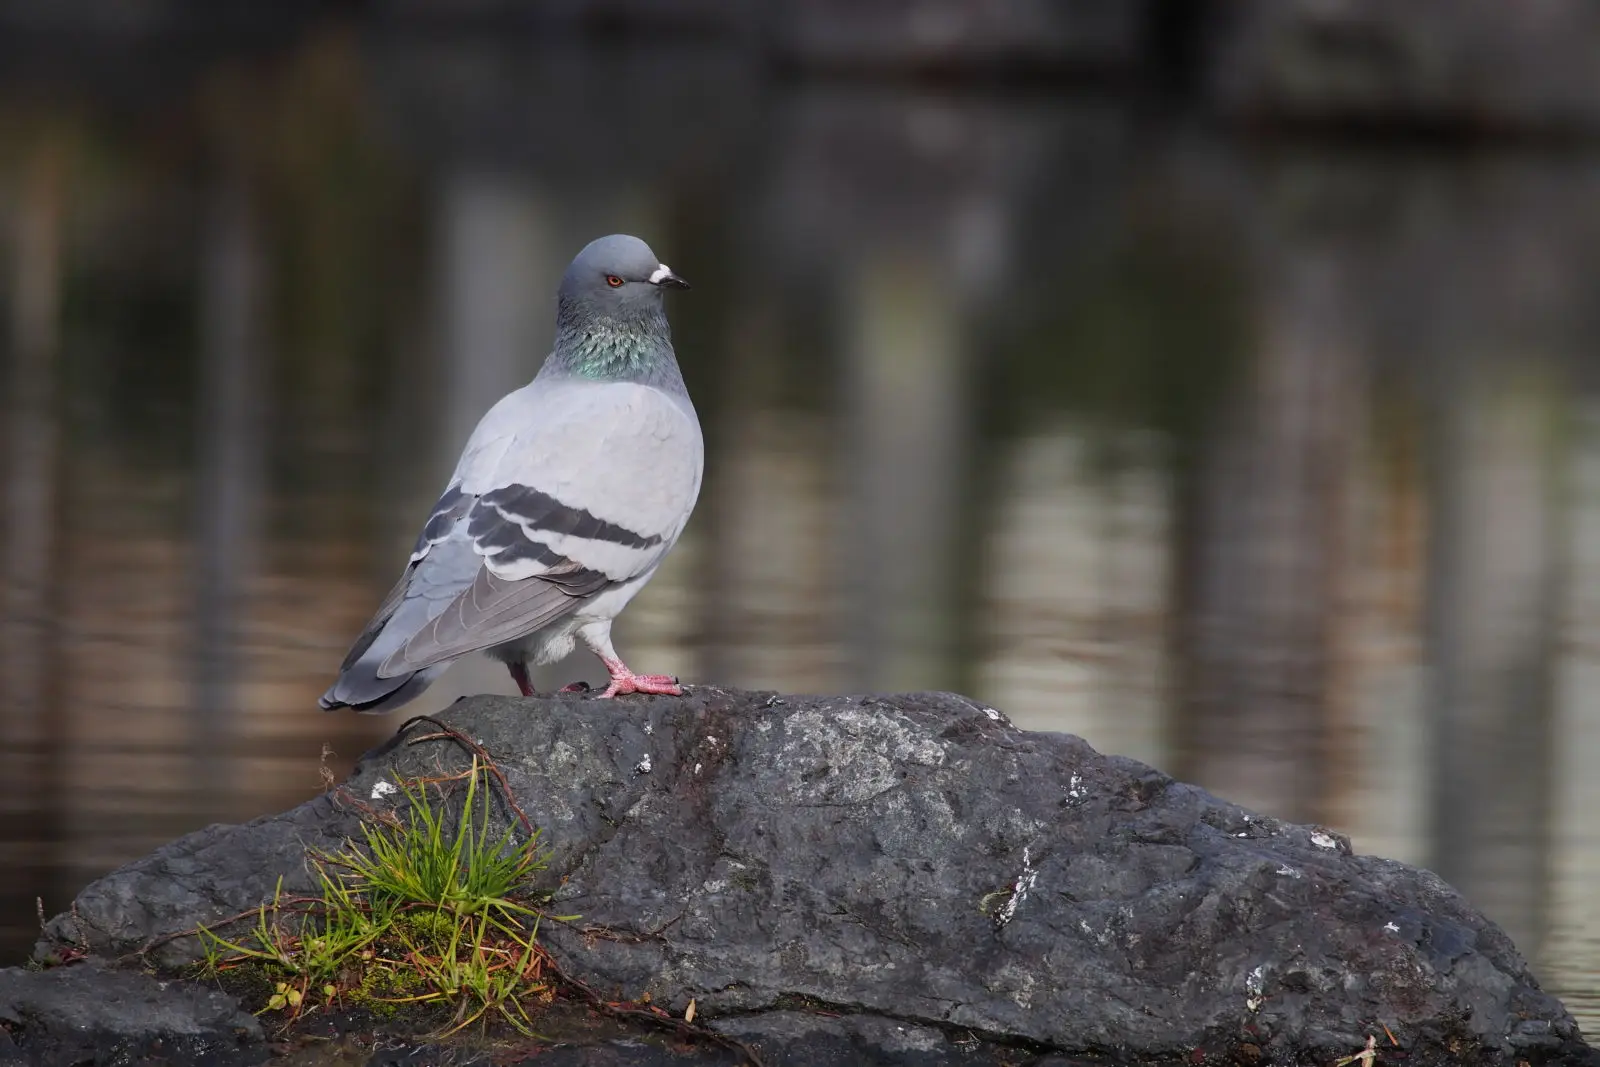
column 598, row 637
column 519, row 674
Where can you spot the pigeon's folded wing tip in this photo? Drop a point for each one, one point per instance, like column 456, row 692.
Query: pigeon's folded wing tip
column 493, row 611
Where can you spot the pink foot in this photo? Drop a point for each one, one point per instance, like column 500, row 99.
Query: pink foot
column 575, row 687
column 519, row 674
column 625, row 681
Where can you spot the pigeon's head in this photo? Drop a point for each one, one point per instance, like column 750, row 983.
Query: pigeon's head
column 617, row 276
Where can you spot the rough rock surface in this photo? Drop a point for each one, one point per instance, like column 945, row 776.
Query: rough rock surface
column 93, row 1014
column 924, row 869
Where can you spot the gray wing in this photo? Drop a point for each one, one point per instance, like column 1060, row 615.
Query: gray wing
column 449, row 601
column 589, row 500
column 495, row 525
column 487, row 608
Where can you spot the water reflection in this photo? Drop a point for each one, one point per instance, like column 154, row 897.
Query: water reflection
column 1270, row 467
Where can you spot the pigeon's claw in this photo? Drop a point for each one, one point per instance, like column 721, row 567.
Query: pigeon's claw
column 576, row 687
column 625, row 681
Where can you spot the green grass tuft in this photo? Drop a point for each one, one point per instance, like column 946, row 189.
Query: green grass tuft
column 430, row 909
column 425, row 862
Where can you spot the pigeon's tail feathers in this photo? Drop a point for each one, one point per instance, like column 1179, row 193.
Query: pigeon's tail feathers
column 440, row 568
column 374, row 628
column 360, row 685
column 405, row 689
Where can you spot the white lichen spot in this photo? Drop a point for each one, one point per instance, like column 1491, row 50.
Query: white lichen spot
column 1391, row 928
column 382, row 788
column 1288, row 871
column 1019, row 983
column 1242, row 833
column 643, row 766
column 994, row 715
column 1101, row 937
column 1255, row 984
column 1322, row 840
column 649, row 728
column 1019, row 889
column 710, row 740
column 697, row 768
column 1075, row 788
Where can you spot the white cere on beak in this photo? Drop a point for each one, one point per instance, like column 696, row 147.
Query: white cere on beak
column 661, row 273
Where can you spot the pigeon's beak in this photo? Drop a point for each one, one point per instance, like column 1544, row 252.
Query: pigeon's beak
column 664, row 277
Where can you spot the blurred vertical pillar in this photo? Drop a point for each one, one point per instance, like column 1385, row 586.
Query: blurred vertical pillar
column 497, row 317
column 29, row 721
column 1494, row 604
column 1260, row 582
column 229, row 473
column 770, row 571
column 907, row 425
column 497, row 286
column 914, row 217
column 31, row 447
column 902, row 209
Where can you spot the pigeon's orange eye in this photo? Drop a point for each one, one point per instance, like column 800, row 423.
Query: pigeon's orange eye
column 613, row 281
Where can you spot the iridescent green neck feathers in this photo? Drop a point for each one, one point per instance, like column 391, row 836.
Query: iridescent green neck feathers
column 611, row 348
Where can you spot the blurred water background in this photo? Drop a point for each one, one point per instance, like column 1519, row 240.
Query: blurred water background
column 1217, row 381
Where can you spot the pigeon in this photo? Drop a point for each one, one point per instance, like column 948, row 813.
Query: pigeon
column 569, row 494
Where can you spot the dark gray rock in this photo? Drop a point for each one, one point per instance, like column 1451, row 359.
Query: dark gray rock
column 203, row 878
column 93, row 1014
column 917, row 863
column 624, row 1054
column 807, row 1039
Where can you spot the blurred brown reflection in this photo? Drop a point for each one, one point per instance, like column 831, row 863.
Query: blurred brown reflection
column 29, row 650
column 1263, row 710
column 228, row 482
column 1271, row 463
column 1496, row 587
